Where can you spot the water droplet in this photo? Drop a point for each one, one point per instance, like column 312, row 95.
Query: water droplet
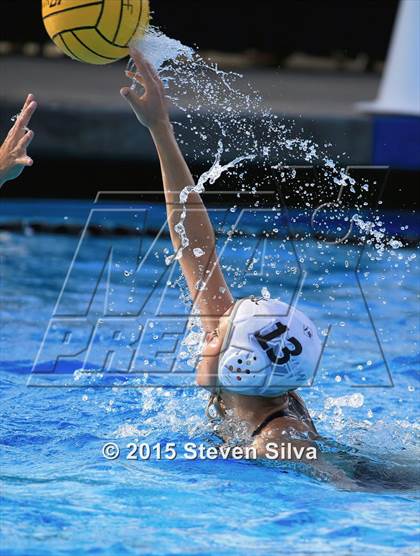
column 265, row 293
column 200, row 285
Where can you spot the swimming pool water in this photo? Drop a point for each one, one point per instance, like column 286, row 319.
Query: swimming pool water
column 59, row 494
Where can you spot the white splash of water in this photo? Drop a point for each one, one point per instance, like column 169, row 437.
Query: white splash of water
column 127, row 430
column 265, row 292
column 158, row 48
column 211, row 176
column 353, row 400
column 220, row 104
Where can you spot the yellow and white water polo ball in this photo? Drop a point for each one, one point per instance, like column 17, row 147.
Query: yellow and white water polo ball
column 95, row 31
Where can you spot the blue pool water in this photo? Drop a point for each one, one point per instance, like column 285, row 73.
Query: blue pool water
column 59, row 494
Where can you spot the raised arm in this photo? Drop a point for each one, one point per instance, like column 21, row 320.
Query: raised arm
column 13, row 155
column 203, row 273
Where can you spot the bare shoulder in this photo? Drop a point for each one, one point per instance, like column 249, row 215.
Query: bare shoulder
column 284, row 436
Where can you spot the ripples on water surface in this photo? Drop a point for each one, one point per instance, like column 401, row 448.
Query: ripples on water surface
column 61, row 497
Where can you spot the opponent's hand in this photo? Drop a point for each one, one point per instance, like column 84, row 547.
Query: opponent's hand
column 13, row 155
column 150, row 108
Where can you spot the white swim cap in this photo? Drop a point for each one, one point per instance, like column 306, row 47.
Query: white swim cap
column 270, row 348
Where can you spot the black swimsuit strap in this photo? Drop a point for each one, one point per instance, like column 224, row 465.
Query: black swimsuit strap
column 295, row 409
column 268, row 419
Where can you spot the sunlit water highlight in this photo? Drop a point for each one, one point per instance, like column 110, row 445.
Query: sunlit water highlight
column 61, row 497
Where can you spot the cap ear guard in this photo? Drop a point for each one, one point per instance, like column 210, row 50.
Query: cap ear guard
column 243, row 370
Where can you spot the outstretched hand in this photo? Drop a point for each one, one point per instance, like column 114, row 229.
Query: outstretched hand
column 150, row 108
column 13, row 155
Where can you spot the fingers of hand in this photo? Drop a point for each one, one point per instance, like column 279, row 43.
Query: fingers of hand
column 139, row 59
column 24, row 161
column 28, row 100
column 152, row 71
column 130, row 96
column 144, row 67
column 25, row 141
column 151, row 80
column 136, row 76
column 26, row 114
column 20, row 128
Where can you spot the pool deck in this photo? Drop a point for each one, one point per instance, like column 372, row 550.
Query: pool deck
column 82, row 115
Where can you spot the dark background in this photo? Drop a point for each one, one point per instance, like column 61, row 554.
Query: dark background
column 318, row 27
column 328, row 28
